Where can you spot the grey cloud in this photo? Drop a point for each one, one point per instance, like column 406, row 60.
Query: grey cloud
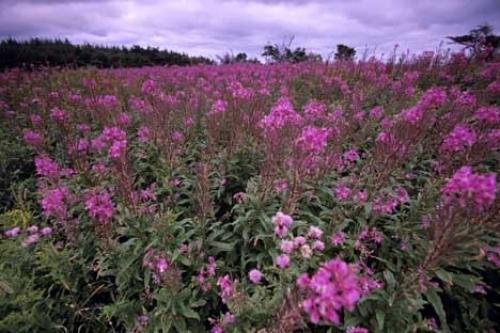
column 212, row 27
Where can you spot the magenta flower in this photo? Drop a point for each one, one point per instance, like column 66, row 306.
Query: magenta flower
column 58, row 114
column 287, row 246
column 468, row 187
column 13, row 232
column 54, row 202
column 337, row 238
column 99, row 206
column 282, row 261
column 314, row 232
column 32, row 138
column 342, row 192
column 46, row 231
column 460, row 138
column 255, row 276
column 46, row 167
column 335, row 286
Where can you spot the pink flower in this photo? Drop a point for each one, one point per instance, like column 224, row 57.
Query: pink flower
column 413, row 115
column 46, row 231
column 54, row 202
column 218, row 107
column 58, row 114
column 282, row 261
column 337, row 238
column 312, row 140
column 314, row 110
column 282, row 114
column 99, row 206
column 32, row 138
column 488, row 114
column 13, row 232
column 123, row 119
column 32, row 229
column 305, row 251
column 466, row 186
column 239, row 197
column 227, row 288
column 356, row 329
column 377, row 112
column 255, row 276
column 31, row 239
column 161, row 265
column 280, row 185
column 117, row 148
column 342, row 192
column 287, row 246
column 299, row 241
column 351, row 155
column 45, row 166
column 360, row 196
column 314, row 232
column 143, row 134
column 333, row 287
column 281, row 222
column 318, row 245
column 459, row 139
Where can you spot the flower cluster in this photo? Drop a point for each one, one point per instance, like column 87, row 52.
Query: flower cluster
column 54, row 202
column 205, row 273
column 99, row 206
column 281, row 223
column 158, row 263
column 460, row 138
column 466, row 187
column 334, row 287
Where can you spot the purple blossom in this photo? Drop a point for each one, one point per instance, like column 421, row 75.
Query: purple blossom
column 143, row 134
column 465, row 186
column 58, row 114
column 312, row 140
column 46, row 167
column 338, row 238
column 99, row 206
column 13, row 232
column 282, row 261
column 335, row 286
column 32, row 138
column 255, row 276
column 314, row 232
column 342, row 192
column 460, row 138
column 54, row 202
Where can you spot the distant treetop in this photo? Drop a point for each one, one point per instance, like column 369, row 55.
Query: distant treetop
column 47, row 52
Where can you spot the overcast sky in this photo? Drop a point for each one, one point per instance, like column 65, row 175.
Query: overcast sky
column 213, row 27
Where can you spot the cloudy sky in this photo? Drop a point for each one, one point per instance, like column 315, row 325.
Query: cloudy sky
column 213, row 27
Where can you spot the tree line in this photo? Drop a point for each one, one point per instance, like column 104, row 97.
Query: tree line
column 46, row 52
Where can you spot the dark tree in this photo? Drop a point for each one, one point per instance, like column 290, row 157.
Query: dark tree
column 283, row 53
column 43, row 52
column 479, row 40
column 345, row 52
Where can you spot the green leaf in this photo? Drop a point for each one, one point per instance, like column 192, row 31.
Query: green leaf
column 444, row 276
column 380, row 315
column 224, row 247
column 389, row 278
column 188, row 312
column 433, row 298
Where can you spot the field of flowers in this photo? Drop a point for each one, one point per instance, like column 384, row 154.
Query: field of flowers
column 346, row 197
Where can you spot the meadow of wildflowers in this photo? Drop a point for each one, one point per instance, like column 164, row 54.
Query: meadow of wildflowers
column 312, row 197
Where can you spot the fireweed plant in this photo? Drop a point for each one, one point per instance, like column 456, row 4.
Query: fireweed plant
column 344, row 197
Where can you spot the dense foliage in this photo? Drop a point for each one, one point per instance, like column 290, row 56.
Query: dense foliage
column 42, row 52
column 353, row 196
